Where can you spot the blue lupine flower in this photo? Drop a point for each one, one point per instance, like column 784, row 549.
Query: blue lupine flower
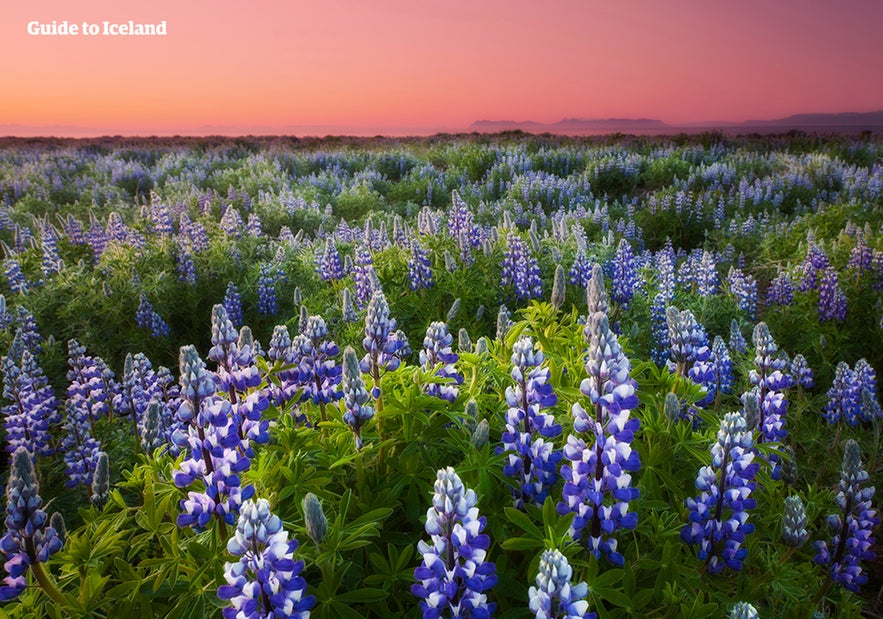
column 853, row 541
column 214, row 452
column 597, row 481
column 721, row 366
column 184, row 265
column 816, row 260
column 744, row 610
column 330, row 265
column 348, row 311
column 744, row 288
column 866, row 383
column 355, row 398
column 16, row 279
column 844, row 397
column 832, row 301
column 231, row 222
column 383, row 348
column 419, row 268
column 454, row 575
column 52, row 262
column 32, row 406
column 233, row 305
column 363, row 275
column 320, row 375
column 27, row 540
column 794, row 522
column 268, row 304
column 665, row 271
column 801, row 372
column 781, row 291
column 531, row 456
column 719, row 514
column 89, row 389
column 706, row 275
column 737, row 341
column 581, row 271
column 659, row 326
column 460, row 221
column 147, row 318
column 437, row 351
column 79, row 447
column 625, row 275
column 521, row 270
column 265, row 581
column 253, row 227
column 554, row 596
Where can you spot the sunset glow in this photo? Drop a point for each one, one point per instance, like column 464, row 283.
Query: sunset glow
column 405, row 67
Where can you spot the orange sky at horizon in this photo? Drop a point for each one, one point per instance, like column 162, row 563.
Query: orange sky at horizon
column 402, row 66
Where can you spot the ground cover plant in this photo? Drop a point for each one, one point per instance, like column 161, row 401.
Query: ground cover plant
column 509, row 376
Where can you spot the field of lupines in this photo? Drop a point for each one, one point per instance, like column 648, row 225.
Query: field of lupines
column 507, row 376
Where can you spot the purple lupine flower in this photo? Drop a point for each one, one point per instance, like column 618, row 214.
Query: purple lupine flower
column 231, row 222
column 214, row 452
column 737, row 341
column 236, row 371
column 26, row 337
column 147, row 318
column 73, row 230
column 581, row 271
column 866, row 383
column 184, row 265
column 253, row 227
column 721, row 366
column 659, row 326
column 801, row 372
column 281, row 352
column 531, row 456
column 265, row 581
column 382, row 347
column 454, row 575
column 357, row 411
column 419, row 269
column 437, row 351
column 719, row 514
column 320, row 375
column 28, row 540
column 96, row 238
column 268, row 304
column 363, row 275
column 844, row 397
column 861, row 257
column 625, row 278
column 521, row 270
column 233, row 305
column 89, row 389
column 460, row 221
column 816, row 260
column 744, row 288
column 80, row 449
column 832, row 300
column 330, row 266
column 554, row 596
column 781, row 291
column 16, row 279
column 597, row 481
column 52, row 262
column 853, row 526
column 32, row 406
column 706, row 275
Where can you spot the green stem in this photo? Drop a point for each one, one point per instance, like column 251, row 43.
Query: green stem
column 42, row 577
column 324, row 419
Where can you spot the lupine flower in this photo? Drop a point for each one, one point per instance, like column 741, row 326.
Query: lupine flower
column 853, row 526
column 16, row 279
column 866, row 383
column 659, row 326
column 744, row 610
column 844, row 397
column 419, row 268
column 314, row 518
column 554, row 596
column 801, row 372
column 625, row 275
column 52, row 262
column 355, row 398
column 363, row 271
column 531, row 456
column 744, row 288
column 832, row 301
column 184, row 265
column 231, row 222
column 794, row 522
column 88, row 389
column 79, row 448
column 330, row 265
column 719, row 514
column 151, row 437
column 268, row 304
column 382, row 347
column 32, row 407
column 781, row 291
column 737, row 342
column 215, row 454
column 454, row 574
column 100, row 481
column 597, row 481
column 147, row 318
column 503, row 323
column 320, row 375
column 437, row 352
column 521, row 270
column 348, row 311
column 233, row 305
column 721, row 366
column 581, row 271
column 480, row 434
column 27, row 540
column 265, row 581
column 706, row 275
column 454, row 310
column 463, row 341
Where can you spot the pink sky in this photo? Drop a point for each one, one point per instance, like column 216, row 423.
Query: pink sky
column 400, row 65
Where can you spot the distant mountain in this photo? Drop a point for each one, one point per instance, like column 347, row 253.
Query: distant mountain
column 571, row 125
column 845, row 119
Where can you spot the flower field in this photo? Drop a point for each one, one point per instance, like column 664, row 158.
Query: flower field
column 461, row 376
